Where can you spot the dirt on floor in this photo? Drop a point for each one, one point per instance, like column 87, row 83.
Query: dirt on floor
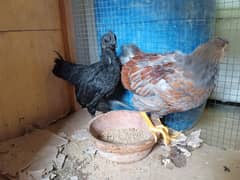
column 82, row 161
column 206, row 163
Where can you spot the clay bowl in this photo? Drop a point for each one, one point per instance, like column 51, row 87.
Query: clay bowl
column 122, row 153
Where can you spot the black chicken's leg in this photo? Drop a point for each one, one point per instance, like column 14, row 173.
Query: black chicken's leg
column 93, row 104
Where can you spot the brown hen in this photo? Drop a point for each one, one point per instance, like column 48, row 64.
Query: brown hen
column 173, row 82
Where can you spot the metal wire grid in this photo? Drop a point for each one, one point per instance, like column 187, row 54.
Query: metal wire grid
column 220, row 126
column 228, row 26
column 86, row 26
column 85, row 33
column 131, row 25
column 220, row 123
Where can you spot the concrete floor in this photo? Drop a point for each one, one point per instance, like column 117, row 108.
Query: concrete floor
column 206, row 163
column 220, row 126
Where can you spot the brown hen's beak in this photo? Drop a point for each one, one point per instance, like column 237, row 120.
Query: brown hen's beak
column 226, row 48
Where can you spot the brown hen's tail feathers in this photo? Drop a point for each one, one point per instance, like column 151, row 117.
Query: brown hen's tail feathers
column 128, row 52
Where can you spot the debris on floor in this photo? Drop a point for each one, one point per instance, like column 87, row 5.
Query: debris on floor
column 74, row 178
column 226, row 169
column 44, row 155
column 80, row 135
column 32, row 155
column 193, row 140
column 167, row 163
column 180, row 149
column 177, row 157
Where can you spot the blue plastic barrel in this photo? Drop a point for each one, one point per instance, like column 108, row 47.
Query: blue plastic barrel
column 157, row 26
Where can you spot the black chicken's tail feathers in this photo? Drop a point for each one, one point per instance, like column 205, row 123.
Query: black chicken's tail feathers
column 64, row 69
column 59, row 56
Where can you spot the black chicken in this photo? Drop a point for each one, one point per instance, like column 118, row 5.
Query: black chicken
column 96, row 81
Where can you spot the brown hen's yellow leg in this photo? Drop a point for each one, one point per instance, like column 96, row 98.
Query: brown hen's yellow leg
column 173, row 136
column 160, row 129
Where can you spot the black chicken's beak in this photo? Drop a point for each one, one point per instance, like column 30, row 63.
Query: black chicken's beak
column 113, row 47
column 109, row 61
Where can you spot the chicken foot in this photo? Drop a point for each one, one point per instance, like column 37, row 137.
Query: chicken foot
column 159, row 129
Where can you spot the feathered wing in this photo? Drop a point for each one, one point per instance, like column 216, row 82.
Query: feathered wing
column 160, row 84
column 143, row 74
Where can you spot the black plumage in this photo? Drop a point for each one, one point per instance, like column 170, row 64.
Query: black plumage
column 96, row 81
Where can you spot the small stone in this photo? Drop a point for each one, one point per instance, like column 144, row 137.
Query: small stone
column 52, row 176
column 74, row 178
column 226, row 169
column 163, row 150
column 60, row 161
column 193, row 140
column 81, row 135
column 184, row 151
column 178, row 158
column 167, row 163
column 180, row 140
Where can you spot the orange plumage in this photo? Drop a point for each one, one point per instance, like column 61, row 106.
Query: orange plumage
column 172, row 82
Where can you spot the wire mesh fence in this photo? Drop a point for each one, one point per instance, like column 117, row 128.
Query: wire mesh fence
column 220, row 122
